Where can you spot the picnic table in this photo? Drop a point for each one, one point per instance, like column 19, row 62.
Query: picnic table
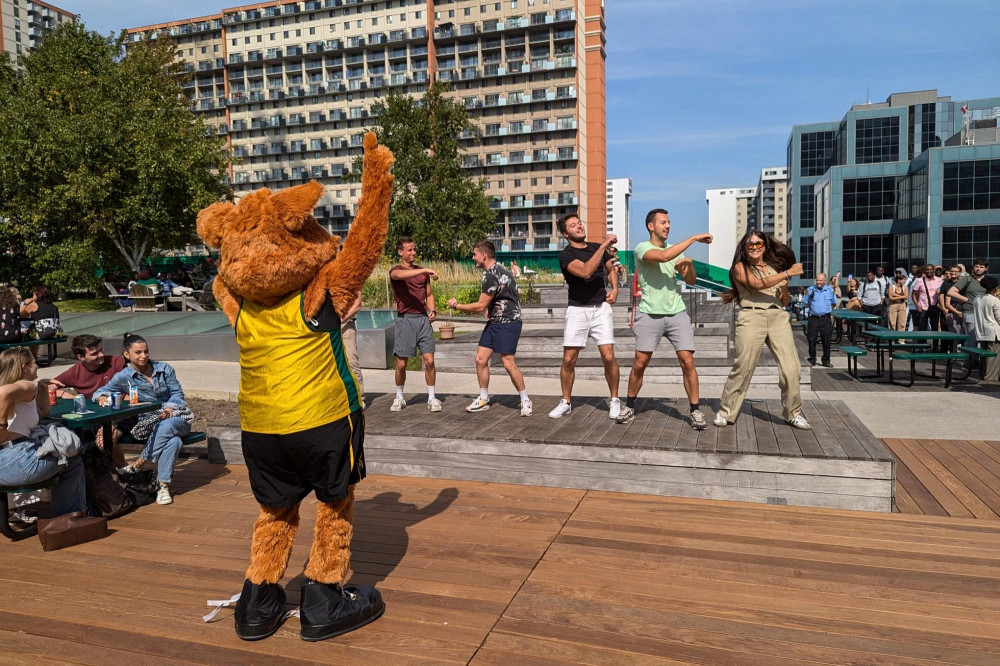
column 853, row 321
column 102, row 416
column 886, row 338
column 50, row 343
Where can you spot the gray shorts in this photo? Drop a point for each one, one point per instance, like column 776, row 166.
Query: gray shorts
column 650, row 329
column 413, row 331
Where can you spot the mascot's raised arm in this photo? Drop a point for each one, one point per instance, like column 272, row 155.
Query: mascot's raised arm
column 284, row 284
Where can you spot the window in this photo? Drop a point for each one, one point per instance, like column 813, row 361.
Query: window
column 961, row 245
column 869, row 199
column 911, row 249
column 876, row 140
column 911, row 197
column 807, row 257
column 807, row 207
column 816, row 154
column 863, row 252
column 971, row 185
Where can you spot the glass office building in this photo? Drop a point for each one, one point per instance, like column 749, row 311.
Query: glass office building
column 914, row 179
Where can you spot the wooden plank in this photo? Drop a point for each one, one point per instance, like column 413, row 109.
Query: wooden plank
column 528, row 426
column 871, row 443
column 644, row 413
column 583, row 417
column 832, row 434
column 746, row 437
column 767, row 443
column 674, row 422
column 954, row 476
column 660, row 420
column 905, row 503
column 914, row 458
column 923, row 497
column 788, row 446
column 808, row 446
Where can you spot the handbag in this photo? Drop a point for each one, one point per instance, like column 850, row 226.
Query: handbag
column 70, row 529
column 146, row 424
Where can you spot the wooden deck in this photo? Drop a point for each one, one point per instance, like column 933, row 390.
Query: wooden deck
column 947, row 477
column 495, row 574
column 838, row 464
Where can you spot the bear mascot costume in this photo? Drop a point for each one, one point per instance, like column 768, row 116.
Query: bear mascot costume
column 284, row 283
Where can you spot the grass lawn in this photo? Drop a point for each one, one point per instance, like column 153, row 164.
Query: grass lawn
column 86, row 305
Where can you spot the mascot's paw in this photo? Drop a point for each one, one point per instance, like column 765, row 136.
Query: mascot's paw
column 329, row 610
column 260, row 610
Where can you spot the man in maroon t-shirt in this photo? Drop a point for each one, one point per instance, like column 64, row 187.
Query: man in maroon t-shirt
column 411, row 284
column 92, row 372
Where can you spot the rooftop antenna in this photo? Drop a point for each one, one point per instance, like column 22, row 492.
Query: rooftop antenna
column 868, row 95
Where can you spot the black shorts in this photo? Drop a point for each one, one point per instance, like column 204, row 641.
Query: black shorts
column 327, row 459
column 501, row 338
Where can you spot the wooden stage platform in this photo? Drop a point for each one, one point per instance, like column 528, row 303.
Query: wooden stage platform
column 838, row 464
column 485, row 573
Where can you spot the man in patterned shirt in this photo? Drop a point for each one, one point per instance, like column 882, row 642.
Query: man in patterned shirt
column 502, row 331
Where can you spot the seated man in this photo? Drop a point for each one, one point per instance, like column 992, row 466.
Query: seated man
column 92, row 372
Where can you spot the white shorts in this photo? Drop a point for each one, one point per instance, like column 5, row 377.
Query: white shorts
column 597, row 321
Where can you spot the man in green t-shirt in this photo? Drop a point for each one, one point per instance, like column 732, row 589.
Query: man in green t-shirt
column 661, row 311
column 967, row 288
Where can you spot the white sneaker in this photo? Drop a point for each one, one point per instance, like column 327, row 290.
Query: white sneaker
column 434, row 405
column 561, row 410
column 478, row 405
column 720, row 422
column 526, row 408
column 800, row 422
column 615, row 408
column 397, row 405
column 163, row 495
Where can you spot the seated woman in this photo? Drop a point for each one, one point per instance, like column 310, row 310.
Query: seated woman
column 155, row 382
column 10, row 317
column 22, row 403
column 42, row 312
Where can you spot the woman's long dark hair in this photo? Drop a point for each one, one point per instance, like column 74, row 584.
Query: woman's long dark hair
column 777, row 255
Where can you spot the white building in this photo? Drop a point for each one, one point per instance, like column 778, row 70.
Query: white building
column 730, row 209
column 23, row 22
column 619, row 205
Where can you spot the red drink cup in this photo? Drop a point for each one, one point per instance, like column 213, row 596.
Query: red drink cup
column 52, row 394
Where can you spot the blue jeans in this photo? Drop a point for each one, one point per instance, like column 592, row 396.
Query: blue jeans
column 163, row 445
column 19, row 466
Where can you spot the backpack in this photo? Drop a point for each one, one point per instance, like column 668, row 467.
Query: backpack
column 109, row 495
column 46, row 329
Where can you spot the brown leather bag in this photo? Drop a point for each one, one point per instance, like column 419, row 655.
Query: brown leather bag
column 70, row 529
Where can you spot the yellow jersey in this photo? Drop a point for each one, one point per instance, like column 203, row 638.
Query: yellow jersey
column 294, row 374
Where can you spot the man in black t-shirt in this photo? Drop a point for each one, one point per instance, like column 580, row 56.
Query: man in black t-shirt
column 586, row 267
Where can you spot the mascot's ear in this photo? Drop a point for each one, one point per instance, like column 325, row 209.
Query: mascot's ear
column 214, row 221
column 296, row 204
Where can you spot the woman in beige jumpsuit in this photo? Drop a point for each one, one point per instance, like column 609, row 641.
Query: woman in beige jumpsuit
column 760, row 273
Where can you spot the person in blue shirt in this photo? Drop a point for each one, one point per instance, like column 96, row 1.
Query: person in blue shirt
column 155, row 382
column 821, row 300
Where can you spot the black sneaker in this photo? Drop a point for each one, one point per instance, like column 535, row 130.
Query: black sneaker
column 827, row 364
column 329, row 610
column 260, row 610
column 626, row 416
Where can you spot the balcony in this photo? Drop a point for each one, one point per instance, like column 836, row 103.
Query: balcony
column 443, row 32
column 565, row 15
column 516, row 22
column 538, row 38
column 492, row 25
column 297, row 147
column 239, row 125
column 377, row 38
column 446, row 75
column 566, row 92
column 397, row 35
column 273, row 54
column 541, row 19
column 563, row 35
column 418, row 33
column 469, row 73
column 470, row 161
column 240, row 152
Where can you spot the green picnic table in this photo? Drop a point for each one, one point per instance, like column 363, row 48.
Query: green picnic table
column 102, row 416
column 854, row 320
column 885, row 338
column 50, row 343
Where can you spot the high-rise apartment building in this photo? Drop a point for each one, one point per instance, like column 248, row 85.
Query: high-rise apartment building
column 619, row 210
column 22, row 22
column 290, row 85
column 772, row 204
column 913, row 179
column 731, row 211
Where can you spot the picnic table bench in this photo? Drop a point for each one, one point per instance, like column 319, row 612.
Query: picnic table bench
column 51, row 350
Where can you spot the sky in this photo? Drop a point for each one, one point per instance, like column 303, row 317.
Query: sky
column 702, row 94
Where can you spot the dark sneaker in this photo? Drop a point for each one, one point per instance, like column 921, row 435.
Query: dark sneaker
column 260, row 610
column 827, row 364
column 698, row 421
column 626, row 416
column 329, row 610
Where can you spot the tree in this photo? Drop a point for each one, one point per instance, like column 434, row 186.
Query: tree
column 435, row 202
column 103, row 159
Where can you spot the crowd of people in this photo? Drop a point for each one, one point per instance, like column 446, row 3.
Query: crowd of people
column 32, row 318
column 927, row 298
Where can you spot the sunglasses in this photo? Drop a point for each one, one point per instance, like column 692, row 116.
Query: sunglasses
column 755, row 245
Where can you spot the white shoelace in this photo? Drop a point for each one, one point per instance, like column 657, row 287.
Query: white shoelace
column 219, row 604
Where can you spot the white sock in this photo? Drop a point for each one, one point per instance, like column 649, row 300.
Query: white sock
column 523, row 394
column 430, row 393
column 399, row 392
column 484, row 393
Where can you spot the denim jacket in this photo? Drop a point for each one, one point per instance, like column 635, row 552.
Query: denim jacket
column 165, row 387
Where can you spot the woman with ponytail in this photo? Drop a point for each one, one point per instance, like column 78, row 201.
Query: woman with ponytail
column 155, row 381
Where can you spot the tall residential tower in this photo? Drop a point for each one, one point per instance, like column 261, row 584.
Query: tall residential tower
column 23, row 22
column 290, row 85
